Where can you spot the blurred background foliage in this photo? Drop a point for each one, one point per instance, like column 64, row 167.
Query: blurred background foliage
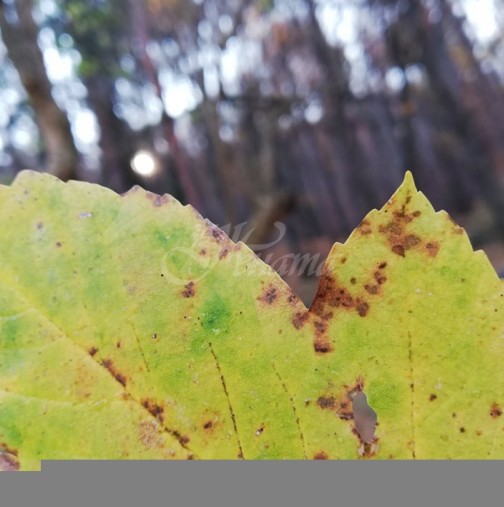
column 304, row 112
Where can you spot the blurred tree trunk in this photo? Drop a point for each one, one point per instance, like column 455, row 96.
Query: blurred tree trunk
column 19, row 33
column 101, row 38
column 346, row 172
column 140, row 34
column 116, row 142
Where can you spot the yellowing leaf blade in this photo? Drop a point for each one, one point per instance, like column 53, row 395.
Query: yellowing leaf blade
column 132, row 328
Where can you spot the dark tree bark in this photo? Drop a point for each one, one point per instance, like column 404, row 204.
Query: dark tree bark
column 19, row 33
column 116, row 142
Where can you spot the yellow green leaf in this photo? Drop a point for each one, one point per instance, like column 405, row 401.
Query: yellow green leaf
column 131, row 328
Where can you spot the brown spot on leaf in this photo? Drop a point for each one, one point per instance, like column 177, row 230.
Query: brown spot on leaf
column 153, row 408
column 40, row 225
column 410, row 241
column 353, row 280
column 208, row 425
column 391, row 229
column 320, row 327
column 432, row 397
column 345, row 412
column 109, row 365
column 92, row 351
column 342, row 298
column 364, row 228
column 269, row 295
column 362, row 309
column 399, row 250
column 396, row 232
column 118, row 344
column 188, row 291
column 495, row 410
column 332, row 295
column 380, row 277
column 402, row 214
column 214, row 232
column 299, row 319
column 59, row 244
column 383, row 265
column 343, row 260
column 432, row 248
column 372, row 289
column 462, row 429
column 322, row 347
column 326, row 402
column 203, row 251
column 321, row 343
column 321, row 455
column 223, row 253
column 293, row 299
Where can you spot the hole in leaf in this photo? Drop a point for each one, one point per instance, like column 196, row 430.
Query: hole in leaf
column 365, row 417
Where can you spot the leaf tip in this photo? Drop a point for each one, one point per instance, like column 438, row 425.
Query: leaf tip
column 409, row 182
